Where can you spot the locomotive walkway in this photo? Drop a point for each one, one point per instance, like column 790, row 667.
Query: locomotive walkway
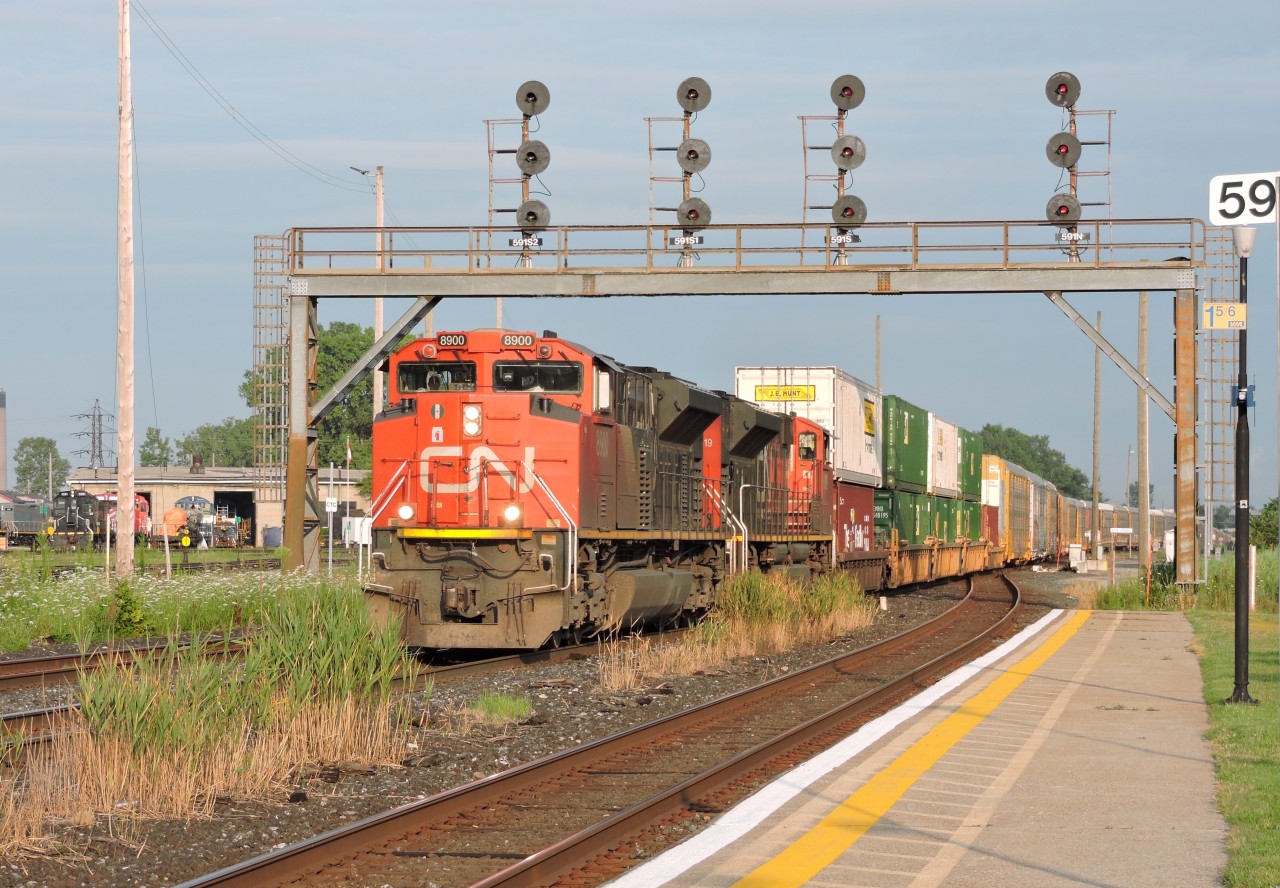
column 1074, row 755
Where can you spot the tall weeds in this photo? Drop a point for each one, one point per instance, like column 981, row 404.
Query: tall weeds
column 755, row 614
column 169, row 739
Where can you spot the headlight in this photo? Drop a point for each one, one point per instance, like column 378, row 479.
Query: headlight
column 471, row 420
column 512, row 513
column 405, row 512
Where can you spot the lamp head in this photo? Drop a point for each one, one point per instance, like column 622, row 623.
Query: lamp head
column 1242, row 236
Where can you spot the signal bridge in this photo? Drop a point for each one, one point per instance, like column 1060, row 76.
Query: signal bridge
column 430, row 264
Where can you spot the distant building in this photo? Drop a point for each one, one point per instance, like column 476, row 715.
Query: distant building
column 233, row 489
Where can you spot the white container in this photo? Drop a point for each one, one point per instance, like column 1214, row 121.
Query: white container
column 846, row 406
column 944, row 458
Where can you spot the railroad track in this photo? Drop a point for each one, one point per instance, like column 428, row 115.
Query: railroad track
column 576, row 817
column 32, row 726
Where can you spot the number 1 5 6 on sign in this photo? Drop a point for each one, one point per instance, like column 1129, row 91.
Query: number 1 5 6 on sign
column 1243, row 199
column 1224, row 316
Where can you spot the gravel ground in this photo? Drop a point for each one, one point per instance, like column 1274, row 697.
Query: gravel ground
column 569, row 709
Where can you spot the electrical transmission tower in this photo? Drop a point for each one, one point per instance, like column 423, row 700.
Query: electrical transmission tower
column 100, row 426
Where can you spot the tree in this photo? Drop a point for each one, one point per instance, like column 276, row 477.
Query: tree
column 1224, row 517
column 1034, row 454
column 229, row 443
column 155, row 450
column 1132, row 498
column 32, row 466
column 1263, row 526
column 338, row 347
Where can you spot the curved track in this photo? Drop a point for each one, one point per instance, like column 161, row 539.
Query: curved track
column 574, row 817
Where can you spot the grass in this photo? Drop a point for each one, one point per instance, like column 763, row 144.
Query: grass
column 168, row 739
column 1245, row 738
column 85, row 607
column 1246, row 744
column 755, row 615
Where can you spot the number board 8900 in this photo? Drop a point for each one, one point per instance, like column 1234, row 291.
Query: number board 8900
column 1243, row 198
column 517, row 340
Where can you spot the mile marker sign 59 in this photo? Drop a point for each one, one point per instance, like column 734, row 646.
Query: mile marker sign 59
column 1243, row 198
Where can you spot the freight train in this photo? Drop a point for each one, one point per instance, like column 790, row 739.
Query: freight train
column 530, row 491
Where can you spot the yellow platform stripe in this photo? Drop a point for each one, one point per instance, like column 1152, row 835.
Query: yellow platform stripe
column 839, row 830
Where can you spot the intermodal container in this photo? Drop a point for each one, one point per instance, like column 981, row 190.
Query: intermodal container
column 855, row 517
column 944, row 458
column 846, row 406
column 910, row 515
column 970, row 466
column 906, row 446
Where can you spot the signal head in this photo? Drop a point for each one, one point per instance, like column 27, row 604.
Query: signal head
column 849, row 211
column 533, row 215
column 693, row 214
column 533, row 157
column 849, row 152
column 693, row 94
column 847, row 92
column 1062, row 89
column 1063, row 150
column 1063, row 209
column 532, row 98
column 694, row 155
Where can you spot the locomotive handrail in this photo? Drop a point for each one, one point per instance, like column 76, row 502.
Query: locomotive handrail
column 571, row 556
column 378, row 504
column 733, row 519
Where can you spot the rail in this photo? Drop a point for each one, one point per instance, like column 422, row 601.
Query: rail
column 911, row 245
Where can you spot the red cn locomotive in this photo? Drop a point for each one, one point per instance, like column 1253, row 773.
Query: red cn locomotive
column 528, row 491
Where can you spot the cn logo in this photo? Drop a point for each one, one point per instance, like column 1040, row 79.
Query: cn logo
column 482, row 461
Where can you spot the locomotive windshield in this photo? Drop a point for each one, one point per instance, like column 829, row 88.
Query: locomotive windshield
column 438, row 376
column 537, row 376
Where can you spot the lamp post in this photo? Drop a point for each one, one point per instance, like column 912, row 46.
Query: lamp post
column 1242, row 237
column 378, row 265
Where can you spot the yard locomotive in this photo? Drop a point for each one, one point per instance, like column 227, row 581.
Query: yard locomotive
column 74, row 520
column 530, row 491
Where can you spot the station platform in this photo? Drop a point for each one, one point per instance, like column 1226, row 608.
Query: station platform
column 1072, row 755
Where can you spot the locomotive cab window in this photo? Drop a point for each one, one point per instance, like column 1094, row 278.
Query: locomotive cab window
column 808, row 445
column 537, row 376
column 438, row 376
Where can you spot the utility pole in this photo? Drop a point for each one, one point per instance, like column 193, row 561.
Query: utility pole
column 1144, row 469
column 124, row 327
column 377, row 302
column 1096, row 524
column 379, row 266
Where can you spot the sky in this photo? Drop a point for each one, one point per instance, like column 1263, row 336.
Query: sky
column 955, row 122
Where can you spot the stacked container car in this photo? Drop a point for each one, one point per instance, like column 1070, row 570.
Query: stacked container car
column 852, row 412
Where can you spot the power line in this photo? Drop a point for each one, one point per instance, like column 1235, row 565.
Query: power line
column 248, row 126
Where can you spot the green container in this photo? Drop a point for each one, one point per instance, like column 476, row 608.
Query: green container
column 970, row 466
column 910, row 514
column 971, row 521
column 945, row 519
column 906, row 446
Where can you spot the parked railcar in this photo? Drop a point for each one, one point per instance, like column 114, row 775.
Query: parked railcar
column 107, row 503
column 22, row 519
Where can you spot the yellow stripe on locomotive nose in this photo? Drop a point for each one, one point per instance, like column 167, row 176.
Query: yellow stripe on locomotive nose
column 463, row 533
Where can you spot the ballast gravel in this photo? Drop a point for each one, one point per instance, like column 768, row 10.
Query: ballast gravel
column 570, row 708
